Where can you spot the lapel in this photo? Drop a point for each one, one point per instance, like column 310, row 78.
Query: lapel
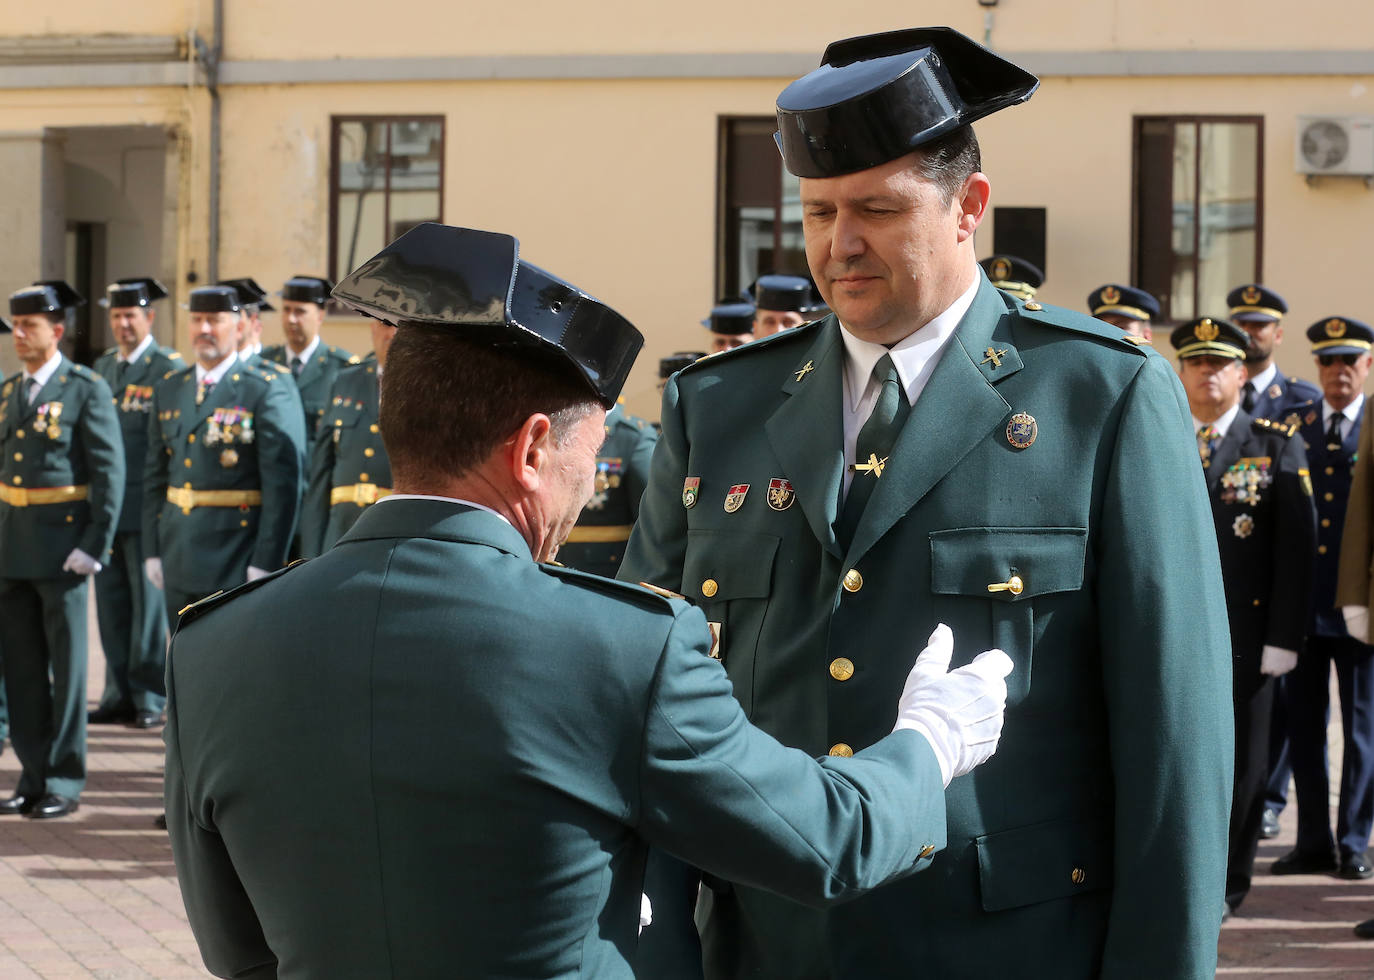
column 313, row 368
column 806, row 432
column 958, row 409
column 441, row 520
column 1229, row 449
column 49, row 392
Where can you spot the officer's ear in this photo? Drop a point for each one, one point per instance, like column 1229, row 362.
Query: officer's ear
column 530, row 451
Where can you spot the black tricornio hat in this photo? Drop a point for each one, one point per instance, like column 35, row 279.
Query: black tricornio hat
column 307, row 289
column 878, row 97
column 784, row 293
column 673, row 363
column 250, row 293
column 213, row 299
column 45, row 296
column 731, row 317
column 134, row 291
column 476, row 282
column 1209, row 337
column 1125, row 301
column 1255, row 302
column 1015, row 275
column 1340, row 335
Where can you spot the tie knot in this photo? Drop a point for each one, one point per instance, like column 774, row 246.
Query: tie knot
column 886, row 370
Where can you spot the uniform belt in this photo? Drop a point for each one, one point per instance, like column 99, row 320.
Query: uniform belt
column 188, row 499
column 361, row 494
column 600, row 533
column 25, row 497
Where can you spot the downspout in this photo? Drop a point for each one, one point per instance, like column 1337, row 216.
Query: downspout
column 209, row 58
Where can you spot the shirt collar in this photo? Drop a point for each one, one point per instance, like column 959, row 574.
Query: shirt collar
column 304, row 355
column 216, row 373
column 1351, row 411
column 138, row 351
column 447, row 500
column 915, row 355
column 1221, row 425
column 1265, row 378
column 48, row 369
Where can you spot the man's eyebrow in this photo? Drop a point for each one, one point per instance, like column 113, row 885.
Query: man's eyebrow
column 887, row 199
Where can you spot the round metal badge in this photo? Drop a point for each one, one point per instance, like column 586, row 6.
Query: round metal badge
column 1021, row 430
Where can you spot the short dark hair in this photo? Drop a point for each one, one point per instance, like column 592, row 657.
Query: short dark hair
column 949, row 161
column 448, row 400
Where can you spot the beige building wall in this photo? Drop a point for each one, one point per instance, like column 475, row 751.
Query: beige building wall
column 590, row 131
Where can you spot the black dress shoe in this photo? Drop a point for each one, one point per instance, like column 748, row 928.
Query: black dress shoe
column 111, row 715
column 147, row 719
column 17, row 804
column 1269, row 825
column 52, row 806
column 1355, row 866
column 1295, row 862
column 1365, row 930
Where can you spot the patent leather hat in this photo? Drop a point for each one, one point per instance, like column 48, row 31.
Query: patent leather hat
column 136, row 291
column 45, row 296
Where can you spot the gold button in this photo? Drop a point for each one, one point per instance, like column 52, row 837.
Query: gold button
column 71, row 519
column 369, row 451
column 373, row 427
column 186, row 463
column 853, row 581
column 709, row 587
column 1033, row 306
column 18, row 457
column 842, row 750
column 1257, row 602
column 362, row 477
column 18, row 480
column 841, row 668
column 1326, row 522
column 20, row 434
column 1328, row 496
column 1078, row 876
column 243, row 523
column 928, row 850
column 191, row 437
column 1321, row 549
column 1014, row 585
column 338, row 421
column 1330, row 471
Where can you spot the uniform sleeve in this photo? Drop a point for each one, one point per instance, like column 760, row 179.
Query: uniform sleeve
column 658, row 544
column 155, row 464
column 1166, row 676
column 730, row 799
column 638, row 467
column 222, row 919
column 1295, row 549
column 315, row 507
column 281, row 466
column 103, row 446
column 1352, row 585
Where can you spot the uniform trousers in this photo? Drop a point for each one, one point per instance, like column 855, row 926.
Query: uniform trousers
column 133, row 629
column 43, row 631
column 1309, row 693
column 1280, row 760
column 1254, row 704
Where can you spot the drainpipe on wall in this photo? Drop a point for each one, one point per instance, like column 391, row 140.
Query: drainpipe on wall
column 209, row 58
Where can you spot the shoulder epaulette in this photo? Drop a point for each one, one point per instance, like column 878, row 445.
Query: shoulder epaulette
column 199, row 608
column 171, row 354
column 83, row 372
column 1066, row 319
column 795, row 335
column 1269, row 425
column 652, row 596
column 109, row 352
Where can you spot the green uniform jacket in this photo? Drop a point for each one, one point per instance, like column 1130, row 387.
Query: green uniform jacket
column 527, row 730
column 132, row 388
column 597, row 543
column 317, row 377
column 68, row 436
column 248, row 435
column 1094, row 842
column 349, row 453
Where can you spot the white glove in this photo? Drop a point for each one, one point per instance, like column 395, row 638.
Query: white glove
column 646, row 912
column 255, row 573
column 81, row 563
column 1276, row 661
column 959, row 712
column 152, row 571
column 1357, row 622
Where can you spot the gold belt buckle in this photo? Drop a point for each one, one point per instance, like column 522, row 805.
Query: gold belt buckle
column 17, row 496
column 182, row 498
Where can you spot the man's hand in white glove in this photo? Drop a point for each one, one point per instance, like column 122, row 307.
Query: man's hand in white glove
column 959, row 712
column 1357, row 622
column 1276, row 661
column 256, row 573
column 81, row 563
column 152, row 571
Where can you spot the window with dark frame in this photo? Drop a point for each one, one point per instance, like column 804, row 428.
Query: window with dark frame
column 386, row 177
column 758, row 218
column 1197, row 210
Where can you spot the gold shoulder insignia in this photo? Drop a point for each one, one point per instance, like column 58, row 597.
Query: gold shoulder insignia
column 663, row 592
column 1305, row 478
column 355, row 359
column 1131, row 338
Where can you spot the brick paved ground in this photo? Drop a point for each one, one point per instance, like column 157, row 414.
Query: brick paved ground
column 95, row 894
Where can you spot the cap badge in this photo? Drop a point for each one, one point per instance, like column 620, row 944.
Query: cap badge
column 1251, row 295
column 1111, row 295
column 1022, row 430
column 1335, row 327
column 780, row 494
column 1001, row 269
column 1243, row 525
column 690, row 489
column 1206, row 331
column 734, row 499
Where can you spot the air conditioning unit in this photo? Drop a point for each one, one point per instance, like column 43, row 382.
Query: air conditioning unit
column 1335, row 145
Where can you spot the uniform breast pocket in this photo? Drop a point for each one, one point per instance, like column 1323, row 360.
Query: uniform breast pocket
column 729, row 574
column 1006, row 569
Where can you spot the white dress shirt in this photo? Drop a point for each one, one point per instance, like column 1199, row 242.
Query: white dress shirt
column 42, row 375
column 214, row 374
column 137, row 352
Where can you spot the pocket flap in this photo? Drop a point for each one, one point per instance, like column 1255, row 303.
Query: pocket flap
column 728, row 565
column 1045, row 861
column 965, row 561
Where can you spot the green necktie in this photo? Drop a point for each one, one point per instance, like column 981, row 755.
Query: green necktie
column 874, row 445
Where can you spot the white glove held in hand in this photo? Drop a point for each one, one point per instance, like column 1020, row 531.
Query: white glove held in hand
column 152, row 571
column 256, row 573
column 1276, row 661
column 646, row 912
column 959, row 712
column 81, row 563
column 1357, row 622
